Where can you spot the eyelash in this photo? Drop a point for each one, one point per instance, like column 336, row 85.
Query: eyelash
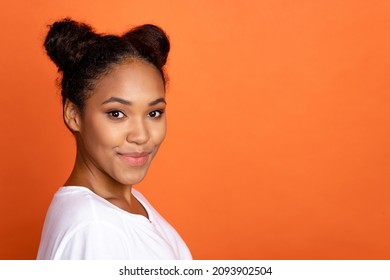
column 160, row 112
column 111, row 114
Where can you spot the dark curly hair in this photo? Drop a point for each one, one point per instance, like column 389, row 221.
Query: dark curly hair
column 83, row 56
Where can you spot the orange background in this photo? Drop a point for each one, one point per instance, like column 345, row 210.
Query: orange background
column 278, row 140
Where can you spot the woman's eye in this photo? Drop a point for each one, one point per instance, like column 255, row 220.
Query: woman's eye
column 155, row 114
column 116, row 114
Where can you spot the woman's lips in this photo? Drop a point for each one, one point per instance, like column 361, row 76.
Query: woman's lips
column 135, row 159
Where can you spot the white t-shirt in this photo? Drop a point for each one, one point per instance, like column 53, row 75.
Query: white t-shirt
column 82, row 225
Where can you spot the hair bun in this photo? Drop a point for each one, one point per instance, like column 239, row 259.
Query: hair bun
column 67, row 41
column 151, row 42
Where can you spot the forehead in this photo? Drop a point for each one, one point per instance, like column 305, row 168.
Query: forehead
column 133, row 80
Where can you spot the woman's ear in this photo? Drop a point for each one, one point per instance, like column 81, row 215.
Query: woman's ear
column 72, row 116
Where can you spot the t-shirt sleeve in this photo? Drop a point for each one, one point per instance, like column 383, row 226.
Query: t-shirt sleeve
column 94, row 241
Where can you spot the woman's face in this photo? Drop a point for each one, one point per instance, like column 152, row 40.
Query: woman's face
column 123, row 123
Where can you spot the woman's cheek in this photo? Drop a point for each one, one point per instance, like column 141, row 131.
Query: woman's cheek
column 161, row 131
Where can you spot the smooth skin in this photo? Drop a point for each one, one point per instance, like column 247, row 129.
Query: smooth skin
column 118, row 132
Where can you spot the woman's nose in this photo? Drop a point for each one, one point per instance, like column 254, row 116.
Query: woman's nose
column 138, row 132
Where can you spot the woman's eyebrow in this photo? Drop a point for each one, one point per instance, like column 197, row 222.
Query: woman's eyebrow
column 159, row 100
column 117, row 99
column 126, row 102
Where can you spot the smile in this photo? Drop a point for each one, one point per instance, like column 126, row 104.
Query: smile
column 135, row 159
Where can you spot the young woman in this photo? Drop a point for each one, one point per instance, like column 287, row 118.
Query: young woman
column 113, row 93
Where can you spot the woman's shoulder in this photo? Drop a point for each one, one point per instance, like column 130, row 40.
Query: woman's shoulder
column 75, row 199
column 76, row 205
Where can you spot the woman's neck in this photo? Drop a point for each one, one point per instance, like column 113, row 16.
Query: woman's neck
column 85, row 174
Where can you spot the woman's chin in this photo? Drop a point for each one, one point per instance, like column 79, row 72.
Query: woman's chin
column 132, row 180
